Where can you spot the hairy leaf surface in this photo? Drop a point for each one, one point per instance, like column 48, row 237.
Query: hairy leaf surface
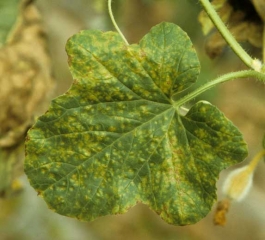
column 115, row 138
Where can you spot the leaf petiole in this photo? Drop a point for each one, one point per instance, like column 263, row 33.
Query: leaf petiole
column 114, row 22
column 224, row 78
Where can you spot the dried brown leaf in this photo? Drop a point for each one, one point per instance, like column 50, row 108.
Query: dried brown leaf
column 25, row 76
column 243, row 31
column 25, row 80
column 243, row 27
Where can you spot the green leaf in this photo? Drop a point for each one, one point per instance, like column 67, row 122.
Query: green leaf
column 9, row 13
column 115, row 138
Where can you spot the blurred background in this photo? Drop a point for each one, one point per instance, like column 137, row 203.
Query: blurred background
column 26, row 216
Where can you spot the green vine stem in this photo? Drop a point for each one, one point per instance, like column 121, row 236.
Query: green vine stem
column 224, row 78
column 263, row 43
column 114, row 22
column 240, row 52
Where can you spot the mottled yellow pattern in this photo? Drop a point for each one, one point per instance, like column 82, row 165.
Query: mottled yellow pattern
column 115, row 139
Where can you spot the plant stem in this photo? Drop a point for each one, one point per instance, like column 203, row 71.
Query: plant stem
column 231, row 41
column 115, row 24
column 224, row 78
column 263, row 42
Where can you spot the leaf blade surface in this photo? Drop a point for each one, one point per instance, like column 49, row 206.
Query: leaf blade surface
column 115, row 139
